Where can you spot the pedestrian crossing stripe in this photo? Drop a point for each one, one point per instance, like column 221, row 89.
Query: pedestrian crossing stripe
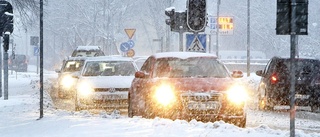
column 196, row 45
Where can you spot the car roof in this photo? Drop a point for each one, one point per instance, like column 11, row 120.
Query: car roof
column 182, row 55
column 88, row 48
column 300, row 57
column 76, row 58
column 109, row 58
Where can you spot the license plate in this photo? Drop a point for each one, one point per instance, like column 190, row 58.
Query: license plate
column 300, row 96
column 203, row 105
column 115, row 97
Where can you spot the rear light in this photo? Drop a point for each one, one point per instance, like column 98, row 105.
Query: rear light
column 274, row 78
column 26, row 61
column 9, row 61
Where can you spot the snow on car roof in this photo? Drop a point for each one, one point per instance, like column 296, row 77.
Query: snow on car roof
column 111, row 58
column 183, row 55
column 76, row 58
column 88, row 48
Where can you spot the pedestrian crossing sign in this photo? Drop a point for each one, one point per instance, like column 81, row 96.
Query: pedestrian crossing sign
column 196, row 43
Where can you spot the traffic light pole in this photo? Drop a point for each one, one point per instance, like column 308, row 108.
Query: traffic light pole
column 1, row 69
column 5, row 69
column 292, row 68
column 181, row 40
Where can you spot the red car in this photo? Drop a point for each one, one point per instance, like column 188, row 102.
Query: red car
column 187, row 85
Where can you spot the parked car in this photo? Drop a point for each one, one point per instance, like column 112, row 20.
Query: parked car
column 274, row 87
column 87, row 51
column 104, row 83
column 18, row 62
column 187, row 85
column 65, row 82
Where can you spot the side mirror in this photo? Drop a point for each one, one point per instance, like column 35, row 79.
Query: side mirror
column 139, row 74
column 237, row 74
column 259, row 73
column 57, row 70
column 75, row 75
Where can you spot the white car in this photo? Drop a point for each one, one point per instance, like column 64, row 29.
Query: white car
column 104, row 83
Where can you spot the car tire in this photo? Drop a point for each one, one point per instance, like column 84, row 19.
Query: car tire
column 239, row 122
column 264, row 104
column 130, row 110
column 315, row 108
column 242, row 122
column 77, row 104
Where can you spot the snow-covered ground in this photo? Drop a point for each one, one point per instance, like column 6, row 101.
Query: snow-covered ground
column 19, row 117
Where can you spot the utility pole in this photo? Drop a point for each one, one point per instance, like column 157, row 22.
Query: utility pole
column 41, row 59
column 217, row 33
column 248, row 40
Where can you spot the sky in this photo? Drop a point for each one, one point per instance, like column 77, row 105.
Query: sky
column 20, row 118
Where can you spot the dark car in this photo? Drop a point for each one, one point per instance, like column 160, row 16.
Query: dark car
column 274, row 87
column 65, row 82
column 87, row 51
column 187, row 85
column 18, row 63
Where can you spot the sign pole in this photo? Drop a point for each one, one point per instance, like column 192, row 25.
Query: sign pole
column 217, row 35
column 181, row 40
column 292, row 68
column 1, row 68
column 248, row 40
column 41, row 58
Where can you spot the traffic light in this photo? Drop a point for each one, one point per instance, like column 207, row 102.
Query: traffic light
column 171, row 21
column 181, row 22
column 284, row 13
column 196, row 15
column 6, row 17
column 6, row 42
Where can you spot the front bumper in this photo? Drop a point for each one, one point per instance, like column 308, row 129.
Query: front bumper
column 104, row 100
column 203, row 108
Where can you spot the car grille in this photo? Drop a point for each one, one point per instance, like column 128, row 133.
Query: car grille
column 110, row 89
column 201, row 98
column 211, row 99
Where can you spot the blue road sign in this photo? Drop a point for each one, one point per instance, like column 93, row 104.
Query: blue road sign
column 124, row 47
column 131, row 43
column 196, row 44
column 36, row 51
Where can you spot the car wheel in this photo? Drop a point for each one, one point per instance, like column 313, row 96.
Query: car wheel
column 242, row 122
column 77, row 104
column 315, row 108
column 130, row 111
column 264, row 104
column 239, row 122
column 148, row 113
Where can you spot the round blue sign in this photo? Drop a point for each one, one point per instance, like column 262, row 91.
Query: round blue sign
column 131, row 43
column 124, row 47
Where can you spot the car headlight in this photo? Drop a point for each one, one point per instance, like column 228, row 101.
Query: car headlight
column 237, row 94
column 164, row 95
column 67, row 82
column 84, row 89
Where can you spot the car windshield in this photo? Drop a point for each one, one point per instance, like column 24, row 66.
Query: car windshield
column 109, row 68
column 191, row 67
column 86, row 53
column 73, row 65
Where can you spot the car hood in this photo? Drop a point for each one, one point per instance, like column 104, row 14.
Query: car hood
column 108, row 81
column 196, row 84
